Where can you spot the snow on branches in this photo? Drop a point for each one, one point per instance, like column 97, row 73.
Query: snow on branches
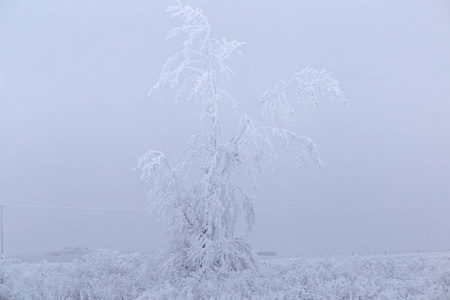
column 196, row 193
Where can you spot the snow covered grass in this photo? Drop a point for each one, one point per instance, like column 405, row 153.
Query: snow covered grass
column 104, row 274
column 108, row 274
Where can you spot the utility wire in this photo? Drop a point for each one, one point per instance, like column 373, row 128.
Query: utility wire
column 256, row 208
column 347, row 205
column 74, row 207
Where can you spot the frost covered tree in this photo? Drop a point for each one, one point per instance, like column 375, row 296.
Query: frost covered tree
column 196, row 192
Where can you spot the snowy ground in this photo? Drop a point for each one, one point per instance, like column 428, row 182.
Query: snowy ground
column 107, row 274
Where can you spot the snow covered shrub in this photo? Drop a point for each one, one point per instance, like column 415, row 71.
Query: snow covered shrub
column 197, row 193
column 40, row 281
column 113, row 275
column 340, row 277
column 108, row 274
column 104, row 274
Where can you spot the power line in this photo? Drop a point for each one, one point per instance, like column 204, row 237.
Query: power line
column 256, row 208
column 74, row 207
column 348, row 205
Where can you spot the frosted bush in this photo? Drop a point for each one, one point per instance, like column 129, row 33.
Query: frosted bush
column 107, row 274
column 104, row 274
column 340, row 277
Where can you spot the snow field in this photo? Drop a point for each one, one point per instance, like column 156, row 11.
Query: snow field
column 108, row 274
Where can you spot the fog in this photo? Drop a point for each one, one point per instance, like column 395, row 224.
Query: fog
column 75, row 117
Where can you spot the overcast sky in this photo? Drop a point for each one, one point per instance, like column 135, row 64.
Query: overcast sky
column 75, row 117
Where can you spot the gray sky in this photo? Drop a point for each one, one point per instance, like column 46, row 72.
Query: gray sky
column 75, row 116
